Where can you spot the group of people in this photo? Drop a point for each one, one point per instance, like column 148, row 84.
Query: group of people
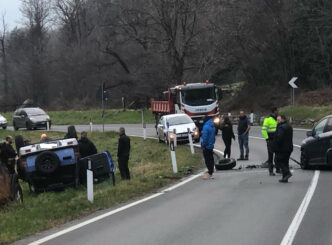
column 276, row 130
column 85, row 145
column 87, row 148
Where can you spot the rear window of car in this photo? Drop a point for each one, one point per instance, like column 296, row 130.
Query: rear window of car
column 35, row 111
column 179, row 120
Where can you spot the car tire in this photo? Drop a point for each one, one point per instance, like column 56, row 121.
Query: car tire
column 28, row 126
column 47, row 162
column 15, row 127
column 226, row 164
column 304, row 161
column 4, row 127
column 159, row 140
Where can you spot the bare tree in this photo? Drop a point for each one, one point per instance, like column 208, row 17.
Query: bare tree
column 3, row 54
column 37, row 14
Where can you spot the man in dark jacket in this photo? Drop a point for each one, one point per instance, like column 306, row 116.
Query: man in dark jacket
column 85, row 146
column 7, row 152
column 243, row 129
column 207, row 145
column 283, row 147
column 123, row 154
column 227, row 135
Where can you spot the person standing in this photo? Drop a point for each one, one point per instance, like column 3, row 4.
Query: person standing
column 8, row 152
column 207, row 145
column 283, row 147
column 226, row 128
column 268, row 131
column 123, row 154
column 243, row 129
column 85, row 146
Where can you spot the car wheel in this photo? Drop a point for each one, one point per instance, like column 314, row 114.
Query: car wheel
column 226, row 164
column 15, row 127
column 304, row 161
column 159, row 140
column 28, row 126
column 47, row 162
column 4, row 127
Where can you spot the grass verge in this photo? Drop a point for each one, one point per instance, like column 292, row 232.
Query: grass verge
column 306, row 112
column 83, row 117
column 150, row 166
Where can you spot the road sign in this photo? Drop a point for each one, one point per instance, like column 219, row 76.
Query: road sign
column 292, row 82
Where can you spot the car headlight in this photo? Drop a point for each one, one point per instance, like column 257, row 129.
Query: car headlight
column 196, row 132
column 216, row 120
column 171, row 136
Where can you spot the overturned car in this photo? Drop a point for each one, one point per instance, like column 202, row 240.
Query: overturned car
column 56, row 164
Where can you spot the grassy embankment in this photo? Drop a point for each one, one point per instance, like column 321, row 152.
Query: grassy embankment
column 307, row 112
column 150, row 166
column 83, row 117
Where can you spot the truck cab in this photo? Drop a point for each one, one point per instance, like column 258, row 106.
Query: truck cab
column 194, row 99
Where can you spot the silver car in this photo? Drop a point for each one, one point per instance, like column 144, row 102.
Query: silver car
column 3, row 122
column 180, row 123
column 31, row 118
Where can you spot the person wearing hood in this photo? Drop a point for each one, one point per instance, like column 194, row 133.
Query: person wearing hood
column 226, row 128
column 85, row 146
column 207, row 145
column 268, row 131
column 283, row 147
column 243, row 129
column 123, row 154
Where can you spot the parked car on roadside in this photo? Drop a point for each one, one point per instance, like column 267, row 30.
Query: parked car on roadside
column 3, row 122
column 30, row 118
column 316, row 150
column 179, row 122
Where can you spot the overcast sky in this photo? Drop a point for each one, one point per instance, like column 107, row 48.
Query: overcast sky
column 13, row 15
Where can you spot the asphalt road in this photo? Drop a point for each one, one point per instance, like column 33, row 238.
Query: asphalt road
column 237, row 207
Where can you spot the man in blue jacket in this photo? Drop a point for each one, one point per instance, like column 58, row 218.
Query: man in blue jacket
column 207, row 145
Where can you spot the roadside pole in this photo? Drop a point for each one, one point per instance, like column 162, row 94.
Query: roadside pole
column 167, row 133
column 48, row 125
column 89, row 182
column 144, row 131
column 91, row 126
column 191, row 142
column 173, row 156
column 175, row 138
column 293, row 87
column 102, row 104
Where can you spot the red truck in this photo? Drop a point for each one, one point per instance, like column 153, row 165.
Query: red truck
column 194, row 99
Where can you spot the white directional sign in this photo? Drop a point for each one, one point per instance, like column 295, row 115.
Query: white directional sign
column 292, row 82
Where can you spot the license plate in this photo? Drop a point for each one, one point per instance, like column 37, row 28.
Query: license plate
column 201, row 121
column 183, row 135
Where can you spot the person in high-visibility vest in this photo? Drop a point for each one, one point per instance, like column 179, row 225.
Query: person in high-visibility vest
column 268, row 130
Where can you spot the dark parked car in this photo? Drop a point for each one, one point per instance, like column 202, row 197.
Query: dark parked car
column 30, row 118
column 316, row 150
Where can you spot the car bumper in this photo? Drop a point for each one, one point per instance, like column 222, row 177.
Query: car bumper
column 40, row 124
column 3, row 124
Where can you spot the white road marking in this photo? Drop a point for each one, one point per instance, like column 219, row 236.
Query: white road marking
column 291, row 232
column 87, row 222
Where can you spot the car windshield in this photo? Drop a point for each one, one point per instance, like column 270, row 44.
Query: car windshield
column 179, row 120
column 201, row 96
column 35, row 112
